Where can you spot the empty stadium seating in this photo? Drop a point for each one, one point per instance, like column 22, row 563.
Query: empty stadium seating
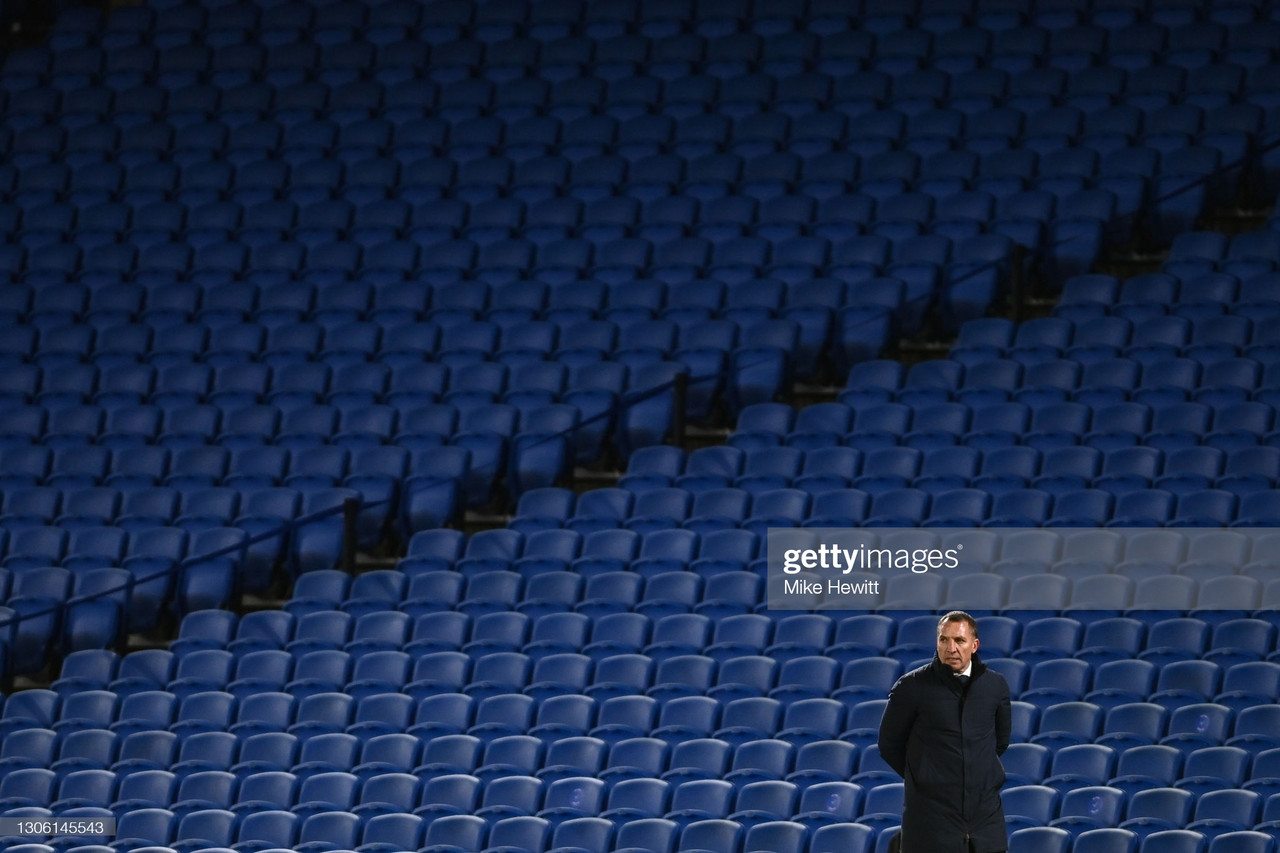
column 264, row 258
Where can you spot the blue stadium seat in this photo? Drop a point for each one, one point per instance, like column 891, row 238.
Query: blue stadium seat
column 823, row 761
column 1085, row 764
column 1221, row 811
column 385, row 831
column 1089, row 807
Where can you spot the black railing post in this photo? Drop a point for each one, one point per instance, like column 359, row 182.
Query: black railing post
column 350, row 514
column 1018, row 281
column 679, row 410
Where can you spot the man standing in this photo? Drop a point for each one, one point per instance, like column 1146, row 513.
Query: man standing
column 943, row 731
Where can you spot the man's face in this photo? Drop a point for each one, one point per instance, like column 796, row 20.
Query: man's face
column 956, row 644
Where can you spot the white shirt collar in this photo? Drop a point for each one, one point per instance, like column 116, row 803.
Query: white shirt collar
column 968, row 670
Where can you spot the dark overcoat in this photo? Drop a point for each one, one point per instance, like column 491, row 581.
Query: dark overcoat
column 945, row 740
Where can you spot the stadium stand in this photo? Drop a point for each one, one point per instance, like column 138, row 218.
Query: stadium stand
column 262, row 259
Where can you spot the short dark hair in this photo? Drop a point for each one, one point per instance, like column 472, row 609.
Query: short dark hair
column 959, row 616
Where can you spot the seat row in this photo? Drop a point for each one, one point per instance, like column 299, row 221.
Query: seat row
column 87, row 481
column 758, row 774
column 1135, row 768
column 431, row 797
column 652, row 252
column 600, row 835
column 91, row 221
column 285, row 379
column 740, row 259
column 133, row 575
column 1197, row 330
column 1050, row 424
column 543, row 624
column 1086, row 29
column 164, row 301
column 684, row 35
column 474, row 462
column 615, row 547
column 711, row 140
column 687, row 114
column 208, row 455
column 1153, row 375
column 749, row 694
column 1217, row 247
column 550, row 717
column 460, row 725
column 1239, row 285
column 1086, row 182
column 458, row 831
column 180, row 154
column 855, row 259
column 555, row 248
column 1232, row 83
column 873, row 469
column 879, row 502
column 195, row 377
column 1142, row 813
column 733, row 586
column 1179, row 394
column 754, row 456
column 1169, row 304
column 90, row 587
column 476, row 17
column 1120, row 188
column 92, row 528
column 1238, row 469
column 753, row 634
column 998, row 164
column 32, row 549
column 346, row 57
column 452, row 337
column 738, row 657
column 542, row 808
column 1043, row 417
column 95, row 435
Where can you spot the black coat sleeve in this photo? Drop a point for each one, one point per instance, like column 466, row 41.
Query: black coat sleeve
column 1004, row 719
column 895, row 726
